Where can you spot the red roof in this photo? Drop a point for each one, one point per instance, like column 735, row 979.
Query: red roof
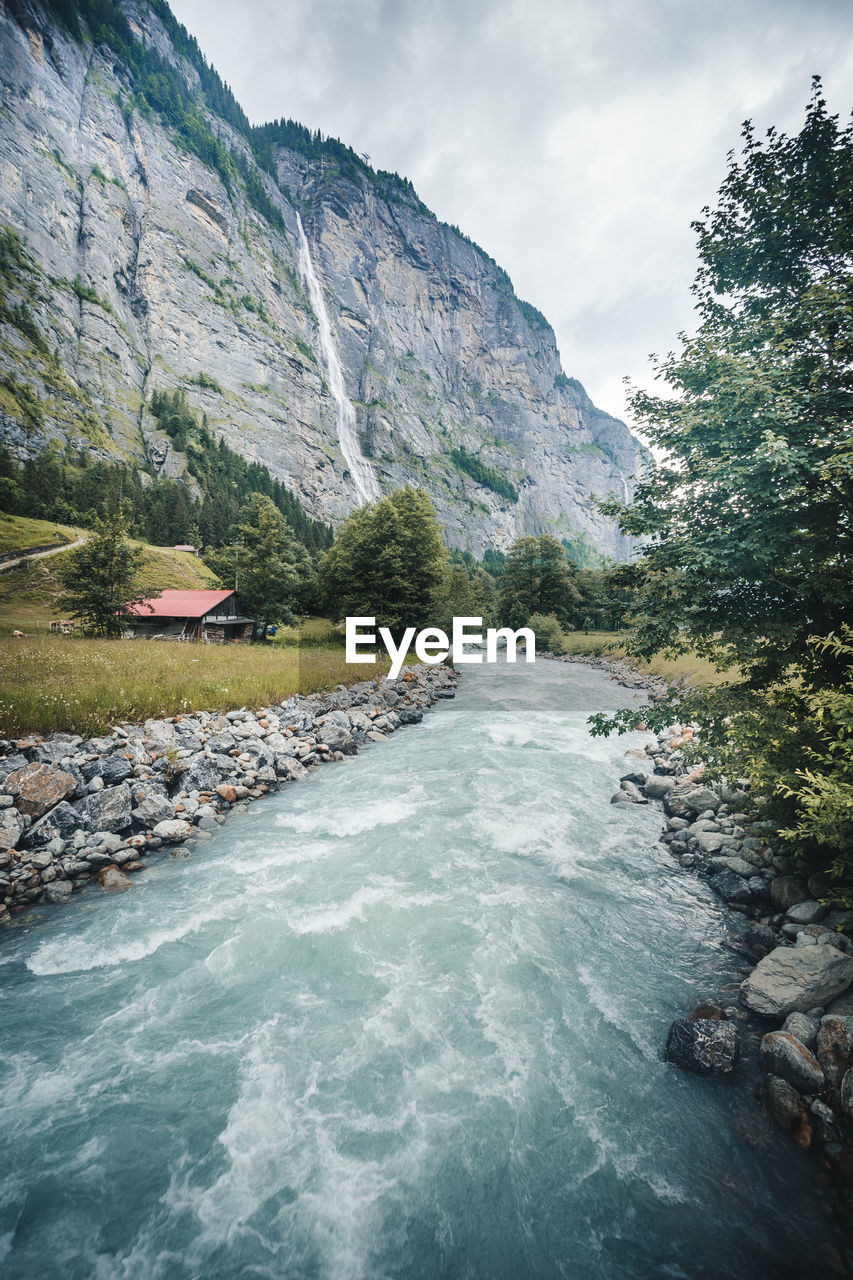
column 180, row 604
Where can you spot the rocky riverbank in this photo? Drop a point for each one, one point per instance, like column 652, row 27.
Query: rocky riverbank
column 74, row 813
column 799, row 993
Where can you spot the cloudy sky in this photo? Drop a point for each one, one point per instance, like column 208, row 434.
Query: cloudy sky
column 573, row 139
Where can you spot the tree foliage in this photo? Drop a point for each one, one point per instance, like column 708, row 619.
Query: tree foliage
column 273, row 573
column 98, row 579
column 388, row 561
column 536, row 578
column 748, row 523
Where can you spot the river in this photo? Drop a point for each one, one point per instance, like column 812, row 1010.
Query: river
column 402, row 1020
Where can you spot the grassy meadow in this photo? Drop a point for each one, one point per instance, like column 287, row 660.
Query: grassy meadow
column 86, row 686
column 17, row 533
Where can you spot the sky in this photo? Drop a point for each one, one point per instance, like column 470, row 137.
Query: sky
column 574, row 140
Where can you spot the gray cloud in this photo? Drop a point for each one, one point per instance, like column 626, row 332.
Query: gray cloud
column 575, row 140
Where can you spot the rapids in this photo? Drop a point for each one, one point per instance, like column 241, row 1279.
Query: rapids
column 402, row 1020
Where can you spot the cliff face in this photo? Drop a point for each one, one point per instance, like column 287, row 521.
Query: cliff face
column 144, row 270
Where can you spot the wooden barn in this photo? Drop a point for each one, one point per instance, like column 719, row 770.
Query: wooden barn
column 216, row 617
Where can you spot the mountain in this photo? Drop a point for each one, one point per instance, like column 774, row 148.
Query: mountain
column 322, row 318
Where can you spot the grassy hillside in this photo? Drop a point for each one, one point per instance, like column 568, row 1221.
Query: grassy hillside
column 29, row 594
column 17, row 533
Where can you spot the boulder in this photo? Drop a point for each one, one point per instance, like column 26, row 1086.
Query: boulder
column 60, row 823
column 657, row 787
column 707, row 1046
column 808, row 912
column 11, row 828
column 39, row 787
column 202, row 775
column 834, row 1049
column 226, row 792
column 338, row 739
column 731, row 887
column 173, row 831
column 152, row 809
column 847, row 1096
column 698, row 799
column 787, row 1108
column 113, row 880
column 290, row 769
column 784, row 1056
column 760, row 939
column 58, row 891
column 787, row 891
column 790, row 979
column 738, row 865
column 710, row 842
column 803, row 1028
column 107, row 810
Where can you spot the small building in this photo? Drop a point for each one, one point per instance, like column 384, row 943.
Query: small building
column 185, row 546
column 216, row 617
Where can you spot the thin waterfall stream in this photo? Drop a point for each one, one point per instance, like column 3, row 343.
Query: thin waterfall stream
column 363, row 479
column 403, row 1019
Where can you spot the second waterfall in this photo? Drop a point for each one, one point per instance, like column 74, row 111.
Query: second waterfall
column 363, row 478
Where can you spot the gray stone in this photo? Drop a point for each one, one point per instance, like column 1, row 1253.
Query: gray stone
column 107, row 810
column 58, row 891
column 738, row 865
column 834, row 1049
column 38, row 787
column 803, row 1028
column 113, row 880
column 846, row 1096
column 60, row 823
column 657, row 787
column 731, row 887
column 11, row 828
column 807, row 912
column 787, row 891
column 152, row 809
column 784, row 1056
column 710, row 842
column 173, row 831
column 786, row 1107
column 698, row 799
column 791, row 979
column 706, row 1046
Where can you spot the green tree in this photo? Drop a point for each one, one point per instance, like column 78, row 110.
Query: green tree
column 388, row 561
column 748, row 524
column 536, row 578
column 275, row 575
column 98, row 579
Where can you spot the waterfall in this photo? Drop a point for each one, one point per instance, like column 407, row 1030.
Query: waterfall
column 359, row 468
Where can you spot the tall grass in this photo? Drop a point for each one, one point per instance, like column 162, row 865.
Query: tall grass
column 86, row 686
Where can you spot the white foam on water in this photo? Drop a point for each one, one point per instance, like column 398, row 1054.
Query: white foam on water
column 344, row 823
column 95, row 950
column 330, row 919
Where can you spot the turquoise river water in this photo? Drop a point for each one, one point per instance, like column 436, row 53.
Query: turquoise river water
column 402, row 1020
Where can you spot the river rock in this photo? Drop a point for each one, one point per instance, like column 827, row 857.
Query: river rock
column 706, row 1046
column 791, row 979
column 656, row 787
column 787, row 891
column 58, row 891
column 290, row 769
column 738, row 865
column 834, row 1049
column 107, row 810
column 760, row 939
column 847, row 1096
column 202, row 775
column 11, row 828
column 59, row 824
column 697, row 799
column 152, row 809
column 787, row 1108
column 173, row 831
column 39, row 787
column 710, row 842
column 803, row 1028
column 842, row 1007
column 731, row 887
column 113, row 880
column 807, row 912
column 338, row 739
column 784, row 1056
